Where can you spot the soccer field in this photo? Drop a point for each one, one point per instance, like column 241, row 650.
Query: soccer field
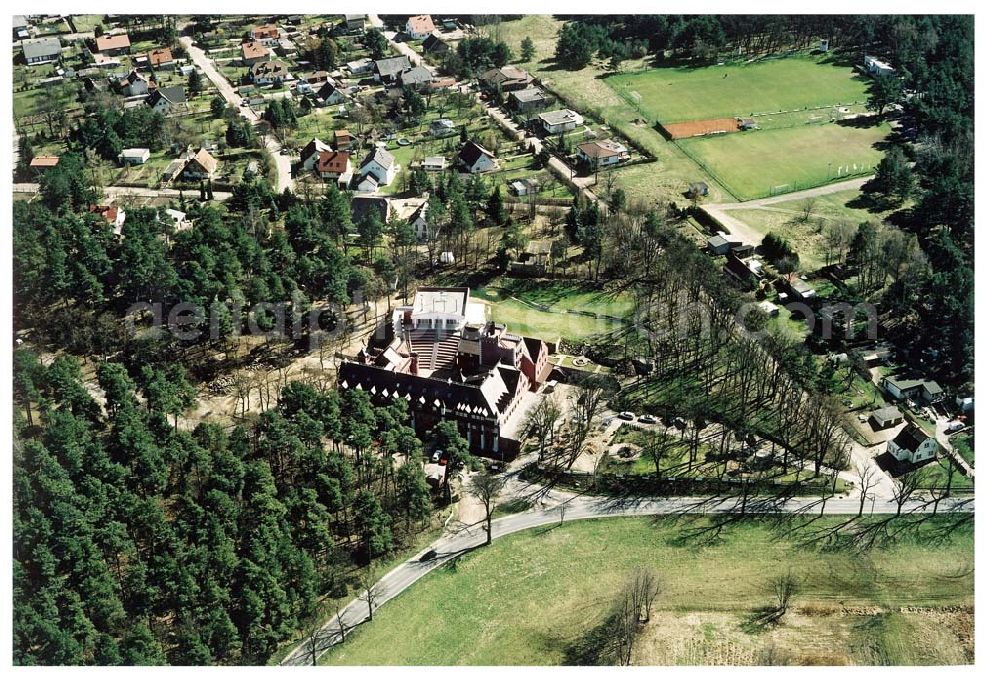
column 767, row 86
column 755, row 164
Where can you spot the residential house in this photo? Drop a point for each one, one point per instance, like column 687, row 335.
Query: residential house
column 362, row 205
column 877, row 67
column 414, row 212
column 354, row 22
column 418, row 77
column 314, row 77
column 266, row 35
column 342, row 140
column 912, row 445
column 254, row 52
column 435, row 163
column 20, row 26
column 435, row 45
column 41, row 50
column 44, row 162
column 173, row 170
column 268, row 72
column 563, row 120
column 602, row 153
column 178, row 219
column 360, row 67
column 330, row 94
column 310, row 154
column 801, row 290
column 167, row 100
column 921, row 390
column 380, row 165
column 335, row 166
column 419, row 27
column 747, row 273
column 368, row 184
column 304, row 87
column 160, row 58
column 114, row 45
column 200, row 166
column 528, row 100
column 134, row 85
column 134, row 156
column 388, row 70
column 113, row 215
column 442, row 127
column 887, row 416
column 476, row 159
column 505, row 79
column 768, row 308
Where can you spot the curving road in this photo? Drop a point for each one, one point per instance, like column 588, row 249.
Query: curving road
column 576, row 508
column 282, row 162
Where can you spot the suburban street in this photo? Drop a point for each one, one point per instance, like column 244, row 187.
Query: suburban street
column 563, row 506
column 282, row 162
column 127, row 191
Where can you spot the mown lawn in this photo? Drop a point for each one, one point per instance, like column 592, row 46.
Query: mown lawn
column 765, row 162
column 741, row 89
column 506, row 303
column 536, row 597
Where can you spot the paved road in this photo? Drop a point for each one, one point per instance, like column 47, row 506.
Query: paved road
column 282, row 162
column 575, row 508
column 750, row 235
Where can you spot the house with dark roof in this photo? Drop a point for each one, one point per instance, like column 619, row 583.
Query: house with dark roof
column 388, row 70
column 418, row 77
column 923, row 390
column 135, row 84
column 310, row 154
column 41, row 50
column 887, row 416
column 330, row 94
column 354, row 22
column 435, row 45
column 528, row 100
column 167, row 100
column 362, row 205
column 476, row 159
column 505, row 79
column 912, row 445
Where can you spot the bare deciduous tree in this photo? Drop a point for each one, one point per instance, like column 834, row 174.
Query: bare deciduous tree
column 487, row 487
column 867, row 477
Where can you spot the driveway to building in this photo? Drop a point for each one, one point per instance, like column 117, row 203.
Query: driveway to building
column 750, row 235
column 575, row 508
column 282, row 162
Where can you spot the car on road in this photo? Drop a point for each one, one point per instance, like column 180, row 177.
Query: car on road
column 955, row 427
column 648, row 419
column 626, row 415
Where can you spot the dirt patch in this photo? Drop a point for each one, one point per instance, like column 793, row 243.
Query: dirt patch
column 698, row 128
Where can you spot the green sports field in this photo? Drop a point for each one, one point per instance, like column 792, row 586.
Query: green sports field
column 767, row 86
column 753, row 164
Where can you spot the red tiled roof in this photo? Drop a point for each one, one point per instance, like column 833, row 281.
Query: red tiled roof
column 163, row 55
column 422, row 23
column 334, row 162
column 264, row 32
column 119, row 41
column 254, row 50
